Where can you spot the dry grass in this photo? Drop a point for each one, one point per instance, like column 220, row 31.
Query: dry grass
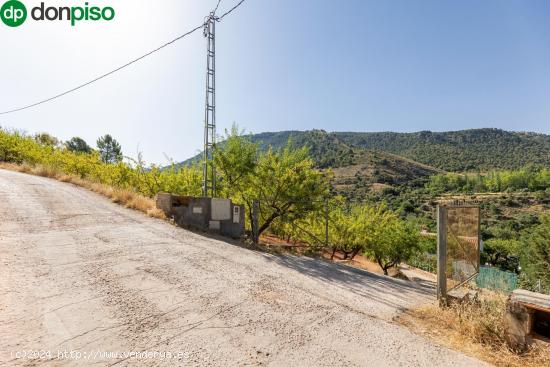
column 475, row 328
column 126, row 197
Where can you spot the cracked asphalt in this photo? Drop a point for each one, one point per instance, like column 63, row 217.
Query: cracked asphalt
column 86, row 282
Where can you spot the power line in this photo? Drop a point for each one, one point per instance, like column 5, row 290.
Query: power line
column 230, row 10
column 104, row 75
column 120, row 67
column 217, row 5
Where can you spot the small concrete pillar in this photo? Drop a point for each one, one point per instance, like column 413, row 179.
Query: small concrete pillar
column 164, row 202
column 519, row 318
column 518, row 321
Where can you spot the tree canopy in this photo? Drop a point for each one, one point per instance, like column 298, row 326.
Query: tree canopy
column 284, row 181
column 109, row 149
column 78, row 145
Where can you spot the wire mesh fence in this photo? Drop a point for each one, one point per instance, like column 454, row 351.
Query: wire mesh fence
column 496, row 279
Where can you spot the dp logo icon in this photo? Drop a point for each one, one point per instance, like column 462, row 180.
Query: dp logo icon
column 13, row 13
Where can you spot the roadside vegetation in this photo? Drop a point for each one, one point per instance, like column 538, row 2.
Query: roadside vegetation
column 298, row 200
column 529, row 178
column 474, row 327
column 296, row 197
column 291, row 191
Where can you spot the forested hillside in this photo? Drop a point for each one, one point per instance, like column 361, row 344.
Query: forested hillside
column 465, row 150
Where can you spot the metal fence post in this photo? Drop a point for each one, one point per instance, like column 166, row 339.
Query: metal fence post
column 441, row 254
column 255, row 224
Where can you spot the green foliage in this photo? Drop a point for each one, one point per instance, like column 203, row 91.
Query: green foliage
column 528, row 178
column 343, row 230
column 425, row 261
column 78, row 145
column 293, row 193
column 46, row 139
column 18, row 148
column 286, row 184
column 501, row 253
column 109, row 149
column 235, row 161
column 535, row 262
column 390, row 240
column 362, row 228
column 466, row 150
column 325, row 149
column 284, row 181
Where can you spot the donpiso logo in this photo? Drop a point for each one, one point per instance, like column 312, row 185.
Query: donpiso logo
column 13, row 13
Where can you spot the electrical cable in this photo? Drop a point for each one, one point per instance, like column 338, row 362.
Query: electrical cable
column 217, row 5
column 104, row 75
column 120, row 67
column 230, row 10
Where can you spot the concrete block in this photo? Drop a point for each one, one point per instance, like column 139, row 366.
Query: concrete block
column 517, row 323
column 519, row 319
column 221, row 209
column 536, row 300
column 164, row 202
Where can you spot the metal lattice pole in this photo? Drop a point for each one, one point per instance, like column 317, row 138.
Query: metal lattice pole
column 209, row 171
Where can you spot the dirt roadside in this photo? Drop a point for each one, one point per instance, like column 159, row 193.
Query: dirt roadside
column 81, row 274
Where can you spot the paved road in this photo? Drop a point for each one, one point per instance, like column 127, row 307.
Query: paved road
column 80, row 274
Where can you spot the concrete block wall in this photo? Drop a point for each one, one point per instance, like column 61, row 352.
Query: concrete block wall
column 207, row 214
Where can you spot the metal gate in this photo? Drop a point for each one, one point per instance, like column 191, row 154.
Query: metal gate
column 458, row 248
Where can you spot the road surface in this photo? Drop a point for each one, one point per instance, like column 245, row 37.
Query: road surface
column 86, row 282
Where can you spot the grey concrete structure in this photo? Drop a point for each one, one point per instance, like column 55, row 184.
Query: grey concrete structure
column 526, row 319
column 207, row 214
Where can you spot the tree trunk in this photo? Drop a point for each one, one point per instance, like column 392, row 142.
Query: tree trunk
column 379, row 261
column 333, row 253
column 355, row 252
column 267, row 223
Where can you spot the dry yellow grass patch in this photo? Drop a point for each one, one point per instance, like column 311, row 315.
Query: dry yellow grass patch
column 475, row 328
column 126, row 197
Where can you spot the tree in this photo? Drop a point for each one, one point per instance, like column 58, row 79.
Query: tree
column 343, row 230
column 78, row 145
column 109, row 149
column 284, row 181
column 286, row 185
column 535, row 261
column 387, row 239
column 235, row 162
column 502, row 253
column 46, row 140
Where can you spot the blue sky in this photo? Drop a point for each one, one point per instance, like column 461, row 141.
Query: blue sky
column 334, row 65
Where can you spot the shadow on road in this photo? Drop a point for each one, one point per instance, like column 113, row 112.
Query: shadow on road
column 392, row 292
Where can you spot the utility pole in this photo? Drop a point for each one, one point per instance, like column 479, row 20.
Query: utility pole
column 209, row 171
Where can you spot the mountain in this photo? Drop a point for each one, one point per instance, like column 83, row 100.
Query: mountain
column 356, row 170
column 464, row 150
column 377, row 171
